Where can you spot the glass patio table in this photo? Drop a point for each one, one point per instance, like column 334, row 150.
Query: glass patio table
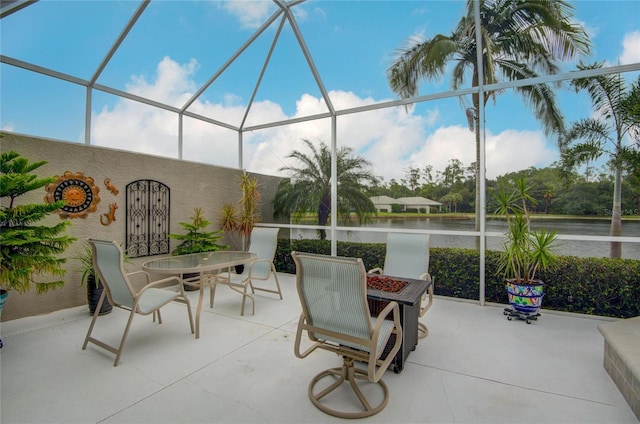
column 199, row 263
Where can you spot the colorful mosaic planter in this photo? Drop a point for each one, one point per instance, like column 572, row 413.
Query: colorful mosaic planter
column 525, row 297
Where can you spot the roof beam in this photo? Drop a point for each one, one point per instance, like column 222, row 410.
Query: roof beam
column 262, row 71
column 119, row 40
column 42, row 70
column 232, row 59
column 286, row 7
column 12, row 6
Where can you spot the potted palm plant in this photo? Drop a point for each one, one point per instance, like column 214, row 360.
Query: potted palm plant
column 94, row 286
column 28, row 249
column 241, row 218
column 526, row 252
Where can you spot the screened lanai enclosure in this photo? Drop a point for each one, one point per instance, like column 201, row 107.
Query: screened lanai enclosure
column 243, row 84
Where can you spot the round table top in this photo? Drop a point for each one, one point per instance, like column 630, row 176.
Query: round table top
column 199, row 262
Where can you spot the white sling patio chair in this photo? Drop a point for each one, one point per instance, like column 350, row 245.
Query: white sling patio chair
column 108, row 264
column 264, row 242
column 336, row 317
column 407, row 255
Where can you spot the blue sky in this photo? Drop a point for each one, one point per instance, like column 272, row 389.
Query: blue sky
column 178, row 45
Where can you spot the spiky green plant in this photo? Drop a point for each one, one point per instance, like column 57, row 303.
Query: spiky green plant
column 241, row 218
column 28, row 249
column 526, row 251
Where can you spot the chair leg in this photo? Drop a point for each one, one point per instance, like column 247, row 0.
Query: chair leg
column 246, row 295
column 275, row 275
column 214, row 283
column 212, row 293
column 347, row 373
column 278, row 291
column 93, row 320
column 188, row 304
column 423, row 331
column 125, row 334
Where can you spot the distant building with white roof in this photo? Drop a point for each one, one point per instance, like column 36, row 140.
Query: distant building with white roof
column 383, row 203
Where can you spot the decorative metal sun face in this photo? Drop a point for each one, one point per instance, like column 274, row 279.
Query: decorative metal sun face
column 79, row 192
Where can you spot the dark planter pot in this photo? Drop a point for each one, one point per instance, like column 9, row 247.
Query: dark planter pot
column 525, row 297
column 93, row 297
column 239, row 269
column 189, row 276
column 3, row 297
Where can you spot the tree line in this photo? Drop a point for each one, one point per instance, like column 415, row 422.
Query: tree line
column 555, row 190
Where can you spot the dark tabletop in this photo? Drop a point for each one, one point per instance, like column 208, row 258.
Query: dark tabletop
column 409, row 295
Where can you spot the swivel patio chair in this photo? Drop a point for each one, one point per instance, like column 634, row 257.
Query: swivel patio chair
column 407, row 256
column 336, row 317
column 264, row 242
column 108, row 264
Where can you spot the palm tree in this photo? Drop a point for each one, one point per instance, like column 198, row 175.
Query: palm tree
column 520, row 39
column 452, row 199
column 588, row 139
column 309, row 187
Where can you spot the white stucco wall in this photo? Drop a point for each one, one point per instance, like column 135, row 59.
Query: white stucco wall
column 192, row 185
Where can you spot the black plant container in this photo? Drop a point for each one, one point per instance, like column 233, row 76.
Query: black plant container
column 188, row 276
column 93, row 296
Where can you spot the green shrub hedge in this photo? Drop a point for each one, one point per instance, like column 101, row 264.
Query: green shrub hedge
column 595, row 286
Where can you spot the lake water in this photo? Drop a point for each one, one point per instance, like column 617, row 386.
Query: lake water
column 597, row 227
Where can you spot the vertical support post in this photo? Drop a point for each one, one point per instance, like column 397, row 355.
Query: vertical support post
column 334, row 185
column 87, row 117
column 180, row 129
column 240, row 156
column 482, row 164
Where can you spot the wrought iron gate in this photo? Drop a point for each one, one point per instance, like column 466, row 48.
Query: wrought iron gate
column 147, row 218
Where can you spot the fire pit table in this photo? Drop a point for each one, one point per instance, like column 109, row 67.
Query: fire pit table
column 382, row 289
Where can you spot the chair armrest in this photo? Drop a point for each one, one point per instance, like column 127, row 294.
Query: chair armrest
column 376, row 271
column 257, row 262
column 302, row 324
column 376, row 374
column 145, row 273
column 391, row 307
column 250, row 268
column 425, row 276
column 163, row 282
column 427, row 297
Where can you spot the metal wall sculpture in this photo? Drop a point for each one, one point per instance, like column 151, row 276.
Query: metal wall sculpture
column 79, row 191
column 147, row 218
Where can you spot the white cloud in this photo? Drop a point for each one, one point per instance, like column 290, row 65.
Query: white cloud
column 391, row 139
column 513, row 150
column 250, row 14
column 172, row 83
column 630, row 48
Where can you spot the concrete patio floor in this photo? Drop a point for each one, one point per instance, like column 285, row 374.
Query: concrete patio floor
column 474, row 367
